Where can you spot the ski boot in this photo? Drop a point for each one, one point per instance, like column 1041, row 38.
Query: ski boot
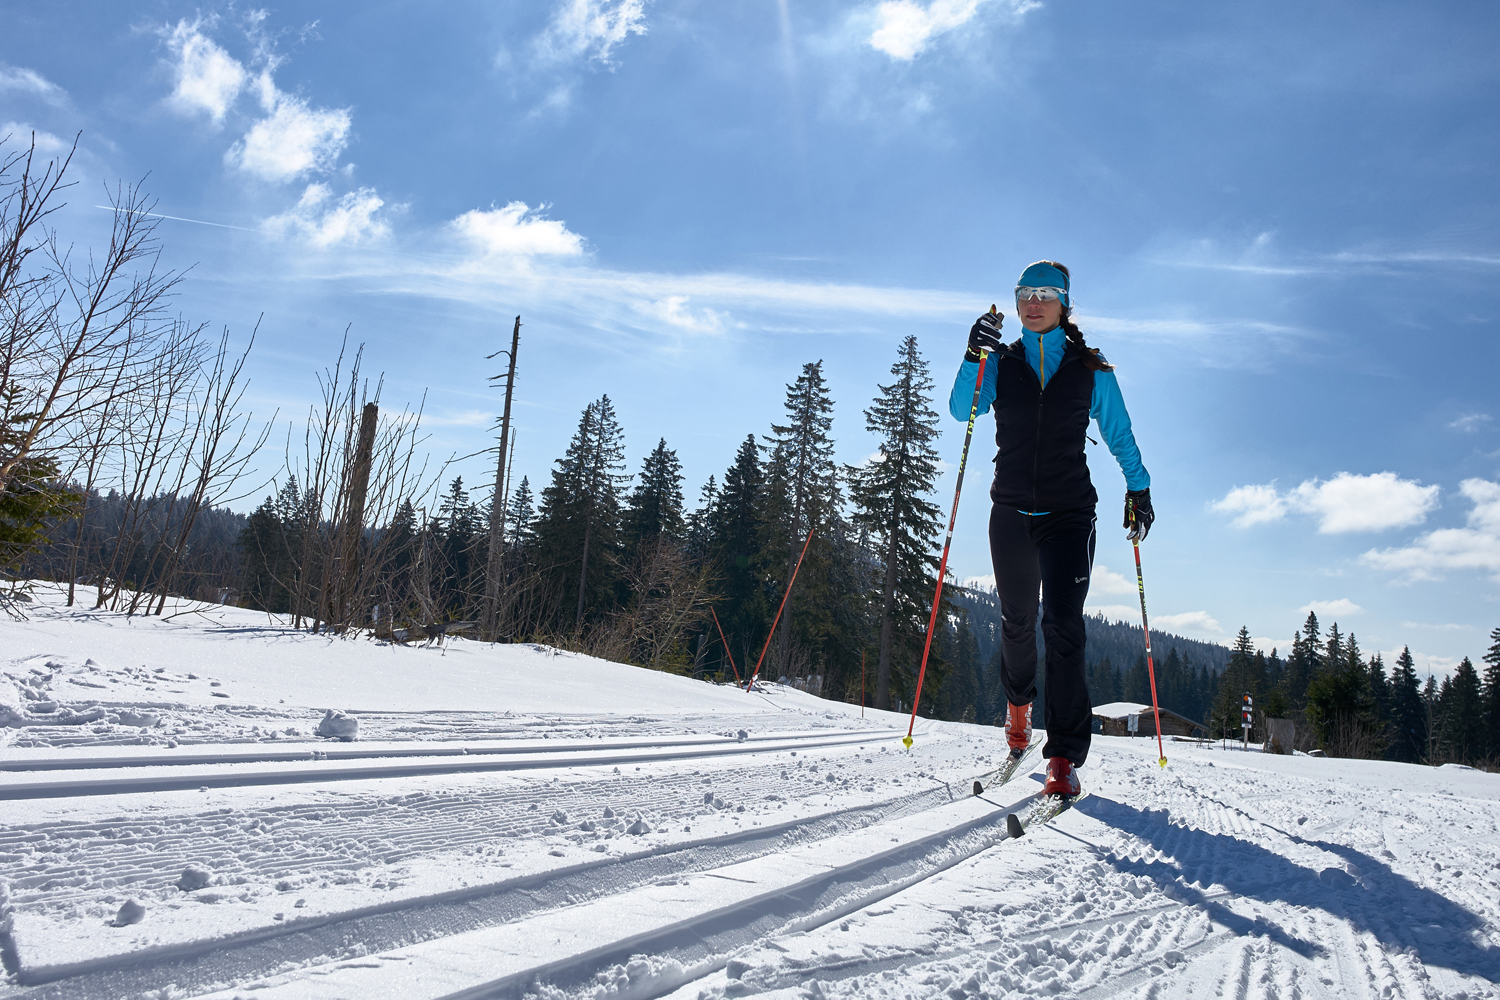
column 1018, row 730
column 1062, row 780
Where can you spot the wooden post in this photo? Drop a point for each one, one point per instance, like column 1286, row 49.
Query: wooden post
column 494, row 569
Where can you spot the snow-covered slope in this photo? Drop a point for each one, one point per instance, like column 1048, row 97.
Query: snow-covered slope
column 513, row 821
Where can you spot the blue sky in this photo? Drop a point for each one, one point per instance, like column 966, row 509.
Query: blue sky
column 1281, row 221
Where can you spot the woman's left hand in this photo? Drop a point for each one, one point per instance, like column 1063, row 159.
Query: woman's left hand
column 1138, row 514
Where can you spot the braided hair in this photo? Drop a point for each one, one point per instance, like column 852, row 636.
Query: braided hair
column 1092, row 360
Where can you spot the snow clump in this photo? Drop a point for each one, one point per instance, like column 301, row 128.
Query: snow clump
column 193, row 878
column 131, row 913
column 339, row 725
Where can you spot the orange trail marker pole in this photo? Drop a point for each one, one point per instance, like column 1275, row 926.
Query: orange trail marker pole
column 726, row 647
column 756, row 676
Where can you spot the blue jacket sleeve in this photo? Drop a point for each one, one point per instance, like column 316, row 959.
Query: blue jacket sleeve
column 962, row 396
column 1108, row 408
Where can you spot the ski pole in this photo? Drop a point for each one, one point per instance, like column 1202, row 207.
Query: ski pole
column 754, row 677
column 937, row 597
column 726, row 647
column 1140, row 582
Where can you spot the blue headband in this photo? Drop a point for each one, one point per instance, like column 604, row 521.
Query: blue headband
column 1043, row 275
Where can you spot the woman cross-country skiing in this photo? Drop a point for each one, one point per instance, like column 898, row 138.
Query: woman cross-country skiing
column 1045, row 387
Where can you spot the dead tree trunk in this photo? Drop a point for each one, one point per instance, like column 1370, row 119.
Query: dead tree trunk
column 346, row 576
column 495, row 567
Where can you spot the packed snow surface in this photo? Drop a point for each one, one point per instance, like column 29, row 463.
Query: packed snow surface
column 518, row 821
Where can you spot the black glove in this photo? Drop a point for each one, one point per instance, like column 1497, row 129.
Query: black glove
column 984, row 335
column 1138, row 514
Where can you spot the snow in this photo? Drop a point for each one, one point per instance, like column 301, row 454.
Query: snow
column 511, row 819
column 1120, row 709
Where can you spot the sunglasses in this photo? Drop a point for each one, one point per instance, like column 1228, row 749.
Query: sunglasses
column 1045, row 294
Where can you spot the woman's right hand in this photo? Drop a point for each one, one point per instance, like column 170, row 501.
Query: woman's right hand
column 984, row 335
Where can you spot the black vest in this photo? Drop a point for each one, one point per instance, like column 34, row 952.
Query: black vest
column 1040, row 432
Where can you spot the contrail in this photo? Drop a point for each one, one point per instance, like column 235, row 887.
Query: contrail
column 177, row 218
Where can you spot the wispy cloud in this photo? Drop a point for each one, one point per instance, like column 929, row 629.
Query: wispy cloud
column 209, row 79
column 21, row 132
column 294, row 139
column 20, row 80
column 1476, row 546
column 590, row 30
column 903, row 29
column 322, row 220
column 1345, row 503
column 1471, row 422
column 674, row 312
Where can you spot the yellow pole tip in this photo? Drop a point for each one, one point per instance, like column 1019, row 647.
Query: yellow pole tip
column 1163, row 762
column 906, row 741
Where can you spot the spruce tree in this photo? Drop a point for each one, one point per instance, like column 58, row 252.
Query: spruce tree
column 578, row 524
column 655, row 505
column 260, row 544
column 1338, row 701
column 1237, row 679
column 1465, row 740
column 735, row 532
column 1491, row 697
column 1303, row 663
column 1408, row 712
column 1380, row 698
column 520, row 515
column 699, row 523
column 890, row 497
column 803, row 495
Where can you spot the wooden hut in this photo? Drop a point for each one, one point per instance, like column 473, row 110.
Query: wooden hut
column 1115, row 720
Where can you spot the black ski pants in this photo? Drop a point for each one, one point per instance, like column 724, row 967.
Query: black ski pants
column 1053, row 553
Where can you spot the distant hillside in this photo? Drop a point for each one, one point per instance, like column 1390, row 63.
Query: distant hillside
column 1119, row 642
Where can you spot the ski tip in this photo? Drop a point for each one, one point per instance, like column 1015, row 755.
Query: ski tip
column 906, row 742
column 978, row 788
column 1162, row 762
column 1013, row 826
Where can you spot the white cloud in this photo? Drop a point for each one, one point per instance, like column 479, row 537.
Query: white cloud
column 1471, row 422
column 21, row 132
column 29, row 81
column 208, row 78
column 294, row 139
column 1342, row 504
column 673, row 310
column 1476, row 546
column 517, row 230
column 1441, row 626
column 903, row 28
column 323, row 222
column 591, row 29
column 1331, row 609
column 1253, row 504
column 1193, row 624
column 1107, row 581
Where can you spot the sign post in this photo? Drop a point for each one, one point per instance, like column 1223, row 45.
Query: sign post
column 1246, row 714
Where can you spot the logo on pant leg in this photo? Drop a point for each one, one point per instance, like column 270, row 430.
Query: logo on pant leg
column 1079, row 579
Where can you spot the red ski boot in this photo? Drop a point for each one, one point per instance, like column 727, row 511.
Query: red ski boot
column 1061, row 778
column 1018, row 729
